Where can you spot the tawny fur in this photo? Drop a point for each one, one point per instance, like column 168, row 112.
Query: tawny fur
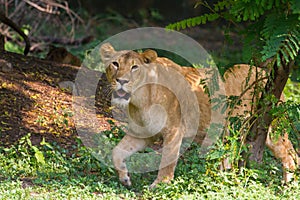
column 129, row 70
column 61, row 55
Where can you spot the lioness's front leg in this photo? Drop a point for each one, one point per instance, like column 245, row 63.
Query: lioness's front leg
column 126, row 147
column 170, row 154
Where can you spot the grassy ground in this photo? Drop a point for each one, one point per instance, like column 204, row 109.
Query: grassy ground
column 50, row 172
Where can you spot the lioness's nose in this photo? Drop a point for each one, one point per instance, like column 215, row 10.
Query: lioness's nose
column 122, row 81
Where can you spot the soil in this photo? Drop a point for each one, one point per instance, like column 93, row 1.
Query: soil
column 32, row 101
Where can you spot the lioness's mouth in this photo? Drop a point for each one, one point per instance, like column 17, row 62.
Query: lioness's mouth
column 122, row 94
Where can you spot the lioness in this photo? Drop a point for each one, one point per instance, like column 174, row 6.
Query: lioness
column 62, row 55
column 156, row 110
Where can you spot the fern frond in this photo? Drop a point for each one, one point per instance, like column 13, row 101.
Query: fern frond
column 222, row 5
column 252, row 42
column 192, row 22
column 273, row 28
column 286, row 45
column 282, row 37
column 245, row 10
column 295, row 6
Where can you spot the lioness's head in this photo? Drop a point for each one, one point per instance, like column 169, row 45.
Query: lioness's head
column 125, row 70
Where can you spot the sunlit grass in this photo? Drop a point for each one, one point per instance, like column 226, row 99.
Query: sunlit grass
column 81, row 176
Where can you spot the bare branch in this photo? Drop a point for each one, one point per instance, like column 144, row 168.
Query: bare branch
column 66, row 8
column 48, row 9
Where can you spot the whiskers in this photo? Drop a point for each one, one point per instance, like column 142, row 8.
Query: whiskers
column 107, row 91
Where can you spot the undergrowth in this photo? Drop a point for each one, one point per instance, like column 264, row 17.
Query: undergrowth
column 48, row 171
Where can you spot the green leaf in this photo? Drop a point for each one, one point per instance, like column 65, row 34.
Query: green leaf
column 278, row 60
column 215, row 155
column 295, row 43
column 289, row 50
column 295, row 6
column 191, row 22
column 38, row 155
column 285, row 56
column 270, row 4
column 44, row 143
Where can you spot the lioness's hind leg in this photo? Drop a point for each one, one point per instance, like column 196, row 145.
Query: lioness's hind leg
column 126, row 147
column 283, row 149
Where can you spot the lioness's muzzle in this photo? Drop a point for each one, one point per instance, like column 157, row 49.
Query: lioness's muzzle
column 122, row 94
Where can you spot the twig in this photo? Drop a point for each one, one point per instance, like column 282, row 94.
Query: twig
column 66, row 8
column 47, row 10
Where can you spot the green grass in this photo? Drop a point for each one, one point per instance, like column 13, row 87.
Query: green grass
column 78, row 175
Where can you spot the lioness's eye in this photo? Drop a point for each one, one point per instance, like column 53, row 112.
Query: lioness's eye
column 115, row 64
column 134, row 67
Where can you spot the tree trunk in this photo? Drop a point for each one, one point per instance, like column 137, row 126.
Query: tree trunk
column 259, row 130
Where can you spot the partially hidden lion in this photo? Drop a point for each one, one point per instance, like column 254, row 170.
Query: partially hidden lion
column 62, row 55
column 155, row 110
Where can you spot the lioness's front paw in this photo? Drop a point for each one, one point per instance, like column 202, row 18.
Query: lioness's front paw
column 157, row 181
column 153, row 185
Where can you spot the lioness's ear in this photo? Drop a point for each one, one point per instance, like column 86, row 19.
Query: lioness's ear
column 106, row 52
column 149, row 55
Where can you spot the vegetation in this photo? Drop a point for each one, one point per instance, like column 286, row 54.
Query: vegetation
column 271, row 39
column 272, row 28
column 49, row 171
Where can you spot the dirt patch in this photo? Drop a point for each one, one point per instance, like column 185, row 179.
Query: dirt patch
column 31, row 101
